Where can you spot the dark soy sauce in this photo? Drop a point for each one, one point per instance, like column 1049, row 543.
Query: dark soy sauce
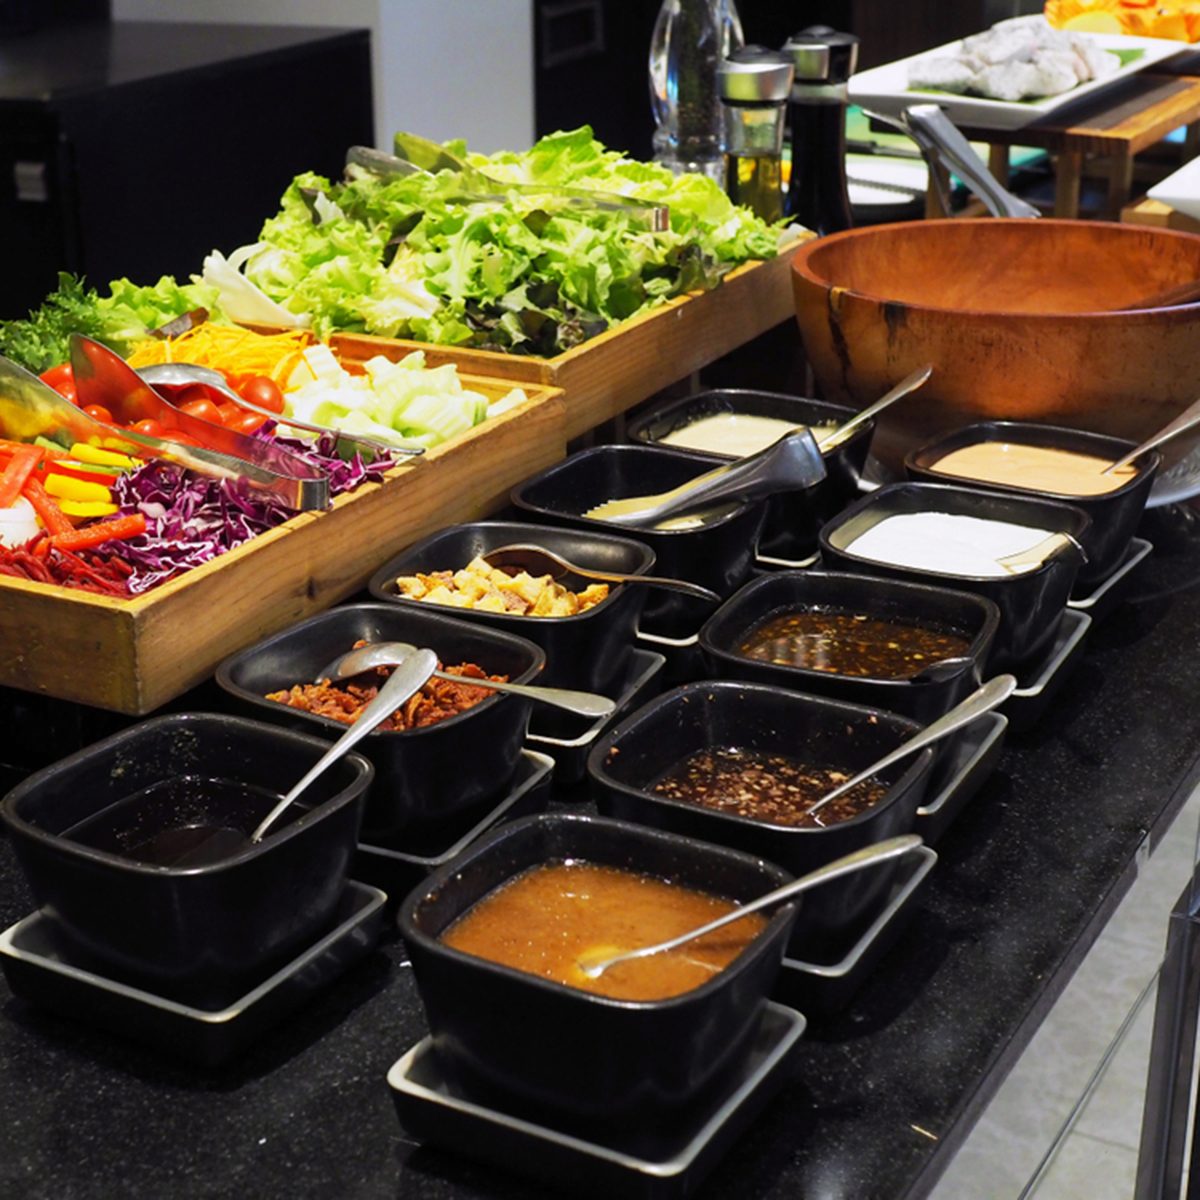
column 184, row 821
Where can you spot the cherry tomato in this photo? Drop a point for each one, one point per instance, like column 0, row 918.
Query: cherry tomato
column 149, row 427
column 67, row 392
column 246, row 422
column 264, row 392
column 99, row 412
column 229, row 412
column 56, row 376
column 176, row 435
column 190, row 394
column 205, row 409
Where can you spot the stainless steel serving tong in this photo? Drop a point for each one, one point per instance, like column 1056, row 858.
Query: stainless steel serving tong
column 106, row 379
column 180, row 374
column 790, row 464
column 30, row 409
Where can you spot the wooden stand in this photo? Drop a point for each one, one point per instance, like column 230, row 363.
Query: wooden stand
column 1110, row 131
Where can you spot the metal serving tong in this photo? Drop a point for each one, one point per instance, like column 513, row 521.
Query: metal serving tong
column 422, row 154
column 791, row 464
column 180, row 374
column 940, row 140
column 30, row 409
column 106, row 379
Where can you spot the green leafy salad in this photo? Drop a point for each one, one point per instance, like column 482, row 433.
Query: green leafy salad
column 119, row 320
column 415, row 257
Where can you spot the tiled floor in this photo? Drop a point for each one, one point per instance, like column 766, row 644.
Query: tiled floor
column 1015, row 1151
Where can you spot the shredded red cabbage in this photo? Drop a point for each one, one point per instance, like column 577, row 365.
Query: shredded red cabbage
column 191, row 519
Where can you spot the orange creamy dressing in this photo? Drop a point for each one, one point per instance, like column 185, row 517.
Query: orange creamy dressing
column 545, row 919
column 1039, row 468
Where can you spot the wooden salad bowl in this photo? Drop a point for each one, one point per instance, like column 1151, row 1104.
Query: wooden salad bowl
column 1031, row 320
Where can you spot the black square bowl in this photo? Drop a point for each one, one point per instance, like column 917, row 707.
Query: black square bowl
column 1030, row 603
column 191, row 932
column 973, row 617
column 588, row 650
column 629, row 760
column 793, row 518
column 422, row 776
column 718, row 555
column 1114, row 515
column 548, row 1048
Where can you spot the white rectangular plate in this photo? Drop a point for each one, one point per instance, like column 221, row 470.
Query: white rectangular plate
column 886, row 89
column 1181, row 190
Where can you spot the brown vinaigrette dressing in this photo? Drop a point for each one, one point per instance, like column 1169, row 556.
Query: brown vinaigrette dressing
column 774, row 788
column 545, row 919
column 848, row 643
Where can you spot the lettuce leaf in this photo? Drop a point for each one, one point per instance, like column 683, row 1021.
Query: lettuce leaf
column 421, row 256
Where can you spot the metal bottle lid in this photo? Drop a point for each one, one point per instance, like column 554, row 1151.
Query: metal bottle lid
column 755, row 75
column 822, row 55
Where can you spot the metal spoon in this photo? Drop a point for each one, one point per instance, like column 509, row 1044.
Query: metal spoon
column 868, row 856
column 792, row 463
column 980, row 701
column 1035, row 555
column 387, row 654
column 182, row 374
column 909, row 383
column 407, row 679
column 537, row 560
column 1185, row 421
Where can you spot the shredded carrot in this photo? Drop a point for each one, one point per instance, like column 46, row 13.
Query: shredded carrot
column 230, row 349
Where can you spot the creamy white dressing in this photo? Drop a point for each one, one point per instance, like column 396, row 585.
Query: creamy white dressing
column 736, row 434
column 946, row 543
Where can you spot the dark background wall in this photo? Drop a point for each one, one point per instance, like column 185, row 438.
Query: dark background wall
column 590, row 55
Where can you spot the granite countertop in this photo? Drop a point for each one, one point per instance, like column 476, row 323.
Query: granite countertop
column 883, row 1094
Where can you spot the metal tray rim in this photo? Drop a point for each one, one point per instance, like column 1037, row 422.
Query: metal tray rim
column 372, row 901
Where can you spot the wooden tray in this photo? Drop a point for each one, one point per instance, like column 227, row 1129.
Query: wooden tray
column 134, row 655
column 616, row 370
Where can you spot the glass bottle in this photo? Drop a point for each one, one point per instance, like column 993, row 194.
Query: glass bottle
column 824, row 60
column 690, row 39
column 754, row 85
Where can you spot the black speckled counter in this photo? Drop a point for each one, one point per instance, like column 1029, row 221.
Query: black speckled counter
column 1028, row 876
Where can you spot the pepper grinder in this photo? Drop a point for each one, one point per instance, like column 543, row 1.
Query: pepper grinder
column 754, row 84
column 824, row 60
column 690, row 39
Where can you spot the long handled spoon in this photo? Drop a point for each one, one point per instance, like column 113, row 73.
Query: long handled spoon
column 403, row 682
column 593, row 966
column 909, row 383
column 980, row 701
column 1035, row 555
column 537, row 560
column 1185, row 421
column 387, row 654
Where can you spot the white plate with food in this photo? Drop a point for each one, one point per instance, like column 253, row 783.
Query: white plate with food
column 1023, row 57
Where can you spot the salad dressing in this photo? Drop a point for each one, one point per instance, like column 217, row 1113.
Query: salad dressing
column 1038, row 468
column 947, row 543
column 736, row 434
